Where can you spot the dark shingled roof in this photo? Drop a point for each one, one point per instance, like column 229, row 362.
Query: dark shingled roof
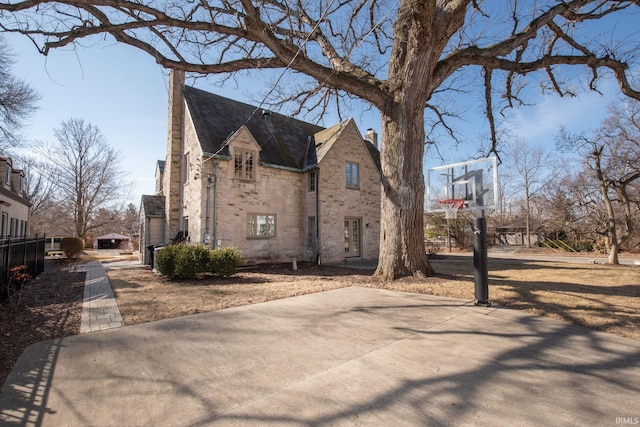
column 375, row 154
column 284, row 141
column 153, row 205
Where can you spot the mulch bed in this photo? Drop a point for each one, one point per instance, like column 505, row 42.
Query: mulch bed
column 51, row 307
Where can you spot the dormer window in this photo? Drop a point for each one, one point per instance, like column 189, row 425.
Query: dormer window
column 7, row 178
column 243, row 164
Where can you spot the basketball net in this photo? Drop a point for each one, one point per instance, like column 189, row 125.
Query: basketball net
column 451, row 207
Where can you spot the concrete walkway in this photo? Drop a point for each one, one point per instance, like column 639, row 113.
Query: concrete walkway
column 99, row 310
column 346, row 357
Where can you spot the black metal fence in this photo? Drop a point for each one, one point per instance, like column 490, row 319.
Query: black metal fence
column 27, row 251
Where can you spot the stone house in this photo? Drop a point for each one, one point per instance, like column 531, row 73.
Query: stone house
column 14, row 206
column 275, row 187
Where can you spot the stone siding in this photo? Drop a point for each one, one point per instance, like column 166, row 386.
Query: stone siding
column 172, row 173
column 274, row 192
column 337, row 202
column 195, row 185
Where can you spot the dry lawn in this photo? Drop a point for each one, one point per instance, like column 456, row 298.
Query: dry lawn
column 600, row 297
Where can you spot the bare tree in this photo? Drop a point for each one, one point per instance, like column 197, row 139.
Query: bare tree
column 39, row 189
column 530, row 166
column 399, row 56
column 17, row 101
column 85, row 170
column 123, row 221
column 612, row 154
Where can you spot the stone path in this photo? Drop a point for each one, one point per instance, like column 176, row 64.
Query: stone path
column 99, row 310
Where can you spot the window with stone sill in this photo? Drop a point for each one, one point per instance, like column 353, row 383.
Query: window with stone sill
column 261, row 226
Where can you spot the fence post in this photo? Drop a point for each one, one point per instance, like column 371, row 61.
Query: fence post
column 24, row 251
column 7, row 257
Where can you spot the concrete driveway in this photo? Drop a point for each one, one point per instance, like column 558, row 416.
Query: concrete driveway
column 351, row 356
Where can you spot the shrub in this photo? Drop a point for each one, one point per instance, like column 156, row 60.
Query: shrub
column 224, row 262
column 71, row 246
column 18, row 279
column 166, row 261
column 191, row 261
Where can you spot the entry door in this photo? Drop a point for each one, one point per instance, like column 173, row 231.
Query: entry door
column 352, row 237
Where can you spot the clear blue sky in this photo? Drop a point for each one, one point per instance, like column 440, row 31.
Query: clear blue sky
column 124, row 93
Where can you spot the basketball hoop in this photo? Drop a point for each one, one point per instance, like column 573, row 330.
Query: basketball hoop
column 451, row 207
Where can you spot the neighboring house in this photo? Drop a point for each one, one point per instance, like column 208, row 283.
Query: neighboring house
column 14, row 206
column 272, row 186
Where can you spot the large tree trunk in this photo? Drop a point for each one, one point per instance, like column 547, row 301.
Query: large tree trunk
column 421, row 33
column 614, row 249
column 614, row 244
column 528, row 214
column 402, row 250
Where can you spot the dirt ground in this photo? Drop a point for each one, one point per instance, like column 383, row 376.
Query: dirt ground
column 600, row 297
column 51, row 307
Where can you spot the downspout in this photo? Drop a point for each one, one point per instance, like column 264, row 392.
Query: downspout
column 206, row 214
column 212, row 179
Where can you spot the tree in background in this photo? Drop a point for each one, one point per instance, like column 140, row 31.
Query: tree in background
column 123, row 221
column 612, row 159
column 528, row 168
column 17, row 101
column 401, row 57
column 86, row 175
column 39, row 189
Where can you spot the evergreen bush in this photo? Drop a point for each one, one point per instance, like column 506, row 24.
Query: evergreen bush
column 224, row 262
column 191, row 261
column 166, row 261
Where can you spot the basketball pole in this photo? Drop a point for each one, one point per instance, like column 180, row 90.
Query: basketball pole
column 480, row 268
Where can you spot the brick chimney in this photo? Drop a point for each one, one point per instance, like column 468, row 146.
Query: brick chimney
column 372, row 137
column 172, row 185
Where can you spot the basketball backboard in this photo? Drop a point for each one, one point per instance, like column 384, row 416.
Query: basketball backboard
column 472, row 184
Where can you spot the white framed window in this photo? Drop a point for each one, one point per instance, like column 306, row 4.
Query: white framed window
column 261, row 225
column 352, row 175
column 243, row 164
column 7, row 178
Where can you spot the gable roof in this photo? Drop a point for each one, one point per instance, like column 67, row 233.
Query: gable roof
column 153, row 205
column 284, row 141
column 327, row 137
